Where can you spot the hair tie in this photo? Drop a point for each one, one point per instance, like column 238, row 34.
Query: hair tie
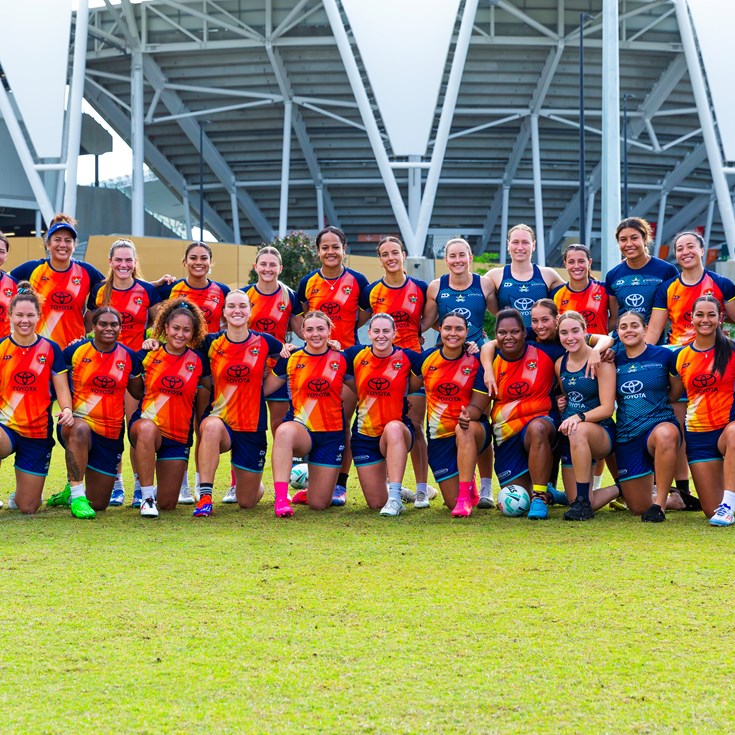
column 24, row 290
column 184, row 305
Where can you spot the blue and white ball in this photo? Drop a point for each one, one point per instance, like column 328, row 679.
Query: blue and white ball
column 513, row 500
column 299, row 476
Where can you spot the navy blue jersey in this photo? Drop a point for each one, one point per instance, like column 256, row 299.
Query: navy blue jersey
column 634, row 288
column 642, row 390
column 470, row 302
column 582, row 391
column 522, row 295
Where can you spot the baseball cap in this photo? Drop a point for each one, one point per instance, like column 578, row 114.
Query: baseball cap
column 62, row 226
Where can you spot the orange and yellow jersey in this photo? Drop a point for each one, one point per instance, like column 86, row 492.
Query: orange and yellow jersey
column 338, row 298
column 271, row 312
column 524, row 388
column 8, row 289
column 314, row 388
column 381, row 384
column 98, row 381
column 591, row 302
column 64, row 295
column 237, row 370
column 449, row 385
column 25, row 385
column 171, row 383
column 404, row 303
column 710, row 396
column 210, row 299
column 133, row 304
column 679, row 297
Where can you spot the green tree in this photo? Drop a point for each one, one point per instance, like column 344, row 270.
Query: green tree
column 299, row 257
column 483, row 263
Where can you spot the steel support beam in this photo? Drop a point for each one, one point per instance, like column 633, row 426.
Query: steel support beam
column 137, row 144
column 504, row 224
column 685, row 217
column 707, row 121
column 74, row 111
column 538, row 202
column 285, row 169
column 660, row 223
column 235, row 214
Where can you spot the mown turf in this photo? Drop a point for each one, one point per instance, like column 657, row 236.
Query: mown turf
column 345, row 622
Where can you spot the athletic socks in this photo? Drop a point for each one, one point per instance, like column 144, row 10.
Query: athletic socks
column 597, row 482
column 77, row 491
column 422, row 487
column 683, row 486
column 205, row 488
column 728, row 498
column 148, row 491
column 394, row 491
column 540, row 490
column 583, row 490
column 486, row 485
column 343, row 478
column 281, row 491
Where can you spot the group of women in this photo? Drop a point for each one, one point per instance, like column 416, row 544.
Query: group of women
column 215, row 364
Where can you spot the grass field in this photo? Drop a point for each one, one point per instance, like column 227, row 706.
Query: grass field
column 345, row 622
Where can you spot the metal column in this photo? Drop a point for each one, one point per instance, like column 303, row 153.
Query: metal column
column 710, row 218
column 414, row 191
column 137, row 224
column 660, row 223
column 285, row 167
column 187, row 213
column 320, row 207
column 504, row 225
column 538, row 192
column 235, row 214
column 706, row 119
column 610, row 199
column 74, row 111
column 590, row 218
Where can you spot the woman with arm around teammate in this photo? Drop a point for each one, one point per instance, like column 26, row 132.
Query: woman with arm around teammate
column 707, row 370
column 456, row 425
column 382, row 433
column 236, row 418
column 521, row 283
column 587, row 430
column 315, row 424
column 161, row 429
column 62, row 283
column 32, row 369
column 100, row 371
column 404, row 298
column 335, row 290
column 648, row 436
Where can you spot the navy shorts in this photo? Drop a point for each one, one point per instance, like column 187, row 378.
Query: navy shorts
column 443, row 454
column 104, row 454
column 366, row 449
column 280, row 395
column 511, row 458
column 702, row 446
column 248, row 449
column 633, row 458
column 32, row 456
column 565, row 451
column 327, row 447
column 169, row 448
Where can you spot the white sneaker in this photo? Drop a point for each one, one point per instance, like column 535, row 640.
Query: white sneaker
column 422, row 499
column 486, row 500
column 149, row 508
column 407, row 495
column 723, row 516
column 392, row 508
column 230, row 496
column 433, row 492
column 185, row 496
column 12, row 505
column 1, row 503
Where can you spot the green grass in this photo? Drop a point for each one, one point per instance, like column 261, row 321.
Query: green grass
column 345, row 622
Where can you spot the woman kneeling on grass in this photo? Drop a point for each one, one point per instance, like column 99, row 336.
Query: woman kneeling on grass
column 648, row 434
column 161, row 428
column 32, row 368
column 236, row 419
column 382, row 434
column 523, row 427
column 587, row 429
column 315, row 423
column 456, row 426
column 100, row 372
column 707, row 369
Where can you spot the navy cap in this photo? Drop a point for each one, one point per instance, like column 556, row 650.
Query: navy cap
column 61, row 226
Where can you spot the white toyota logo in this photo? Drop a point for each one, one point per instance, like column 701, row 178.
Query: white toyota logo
column 631, row 386
column 635, row 300
column 523, row 304
column 575, row 396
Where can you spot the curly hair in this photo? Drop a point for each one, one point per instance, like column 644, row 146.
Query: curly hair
column 178, row 307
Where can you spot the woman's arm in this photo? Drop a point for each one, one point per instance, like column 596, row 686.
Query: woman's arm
column 63, row 396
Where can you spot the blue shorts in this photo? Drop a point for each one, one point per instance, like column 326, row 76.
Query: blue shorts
column 248, row 449
column 327, row 447
column 366, row 449
column 104, row 454
column 633, row 458
column 443, row 454
column 511, row 458
column 280, row 395
column 169, row 448
column 32, row 456
column 702, row 446
column 420, row 392
column 566, row 454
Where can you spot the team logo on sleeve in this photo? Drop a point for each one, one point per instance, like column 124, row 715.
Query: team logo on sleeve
column 397, row 365
column 215, row 299
column 597, row 297
column 190, row 366
column 413, row 298
column 466, row 371
column 255, row 351
column 334, row 365
column 347, row 289
column 138, row 301
column 281, row 306
column 8, row 292
column 42, row 359
column 531, row 364
column 76, row 281
column 120, row 365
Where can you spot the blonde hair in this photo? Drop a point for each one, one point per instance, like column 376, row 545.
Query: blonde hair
column 525, row 228
column 574, row 316
column 455, row 240
column 117, row 245
column 285, row 291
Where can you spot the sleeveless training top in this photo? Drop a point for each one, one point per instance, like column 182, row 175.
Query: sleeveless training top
column 470, row 302
column 521, row 295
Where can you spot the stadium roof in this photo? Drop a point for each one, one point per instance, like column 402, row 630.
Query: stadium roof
column 361, row 87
